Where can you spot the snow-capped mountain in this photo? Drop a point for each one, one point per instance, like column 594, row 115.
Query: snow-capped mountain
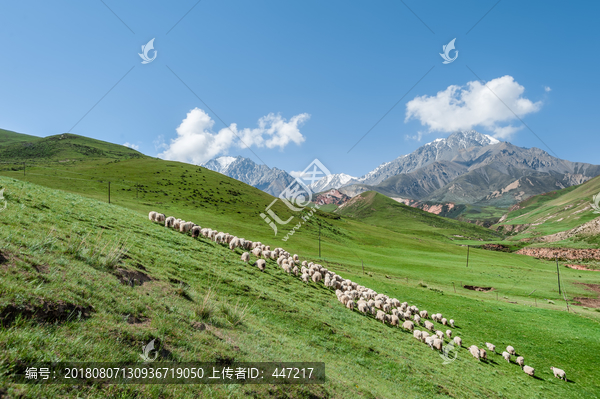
column 331, row 182
column 270, row 180
column 469, row 167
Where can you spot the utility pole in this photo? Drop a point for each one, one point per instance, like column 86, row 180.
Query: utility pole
column 109, row 192
column 363, row 265
column 468, row 246
column 319, row 240
column 558, row 273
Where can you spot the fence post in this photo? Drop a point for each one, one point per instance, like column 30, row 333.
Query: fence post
column 454, row 287
column 109, row 192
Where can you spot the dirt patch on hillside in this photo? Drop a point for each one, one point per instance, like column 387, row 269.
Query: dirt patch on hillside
column 582, row 267
column 496, row 247
column 45, row 312
column 589, row 302
column 590, row 228
column 132, row 277
column 562, row 253
column 475, row 288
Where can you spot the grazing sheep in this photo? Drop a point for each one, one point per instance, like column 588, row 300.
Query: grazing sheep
column 394, row 320
column 296, row 258
column 305, row 277
column 266, row 254
column 195, row 231
column 152, row 216
column 506, row 356
column 521, row 361
column 451, row 322
column 234, row 243
column 417, row 334
column 491, row 347
column 558, row 373
column 256, row 252
column 458, row 341
column 245, row 257
column 350, row 305
column 386, row 307
column 408, row 325
column 417, row 319
column 344, row 299
column 185, row 227
column 260, row 263
column 160, row 218
column 439, row 334
column 423, row 314
column 363, row 307
column 429, row 341
column 380, row 316
column 424, row 335
column 529, row 370
column 169, row 221
column 437, row 344
column 511, row 350
column 429, row 325
column 176, row 224
column 316, row 277
column 482, row 354
column 444, row 321
column 295, row 270
column 474, row 351
column 449, row 333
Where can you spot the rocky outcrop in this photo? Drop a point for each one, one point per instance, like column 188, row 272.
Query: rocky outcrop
column 562, row 253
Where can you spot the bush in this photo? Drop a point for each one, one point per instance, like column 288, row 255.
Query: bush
column 206, row 307
column 234, row 314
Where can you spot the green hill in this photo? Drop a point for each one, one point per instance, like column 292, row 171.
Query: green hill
column 554, row 212
column 61, row 147
column 65, row 296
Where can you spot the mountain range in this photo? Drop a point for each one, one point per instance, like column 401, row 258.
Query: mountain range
column 466, row 168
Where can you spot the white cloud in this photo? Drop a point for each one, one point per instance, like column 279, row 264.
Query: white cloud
column 296, row 174
column 133, row 146
column 464, row 107
column 197, row 143
column 547, row 88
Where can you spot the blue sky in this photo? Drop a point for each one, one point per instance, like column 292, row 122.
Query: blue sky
column 336, row 67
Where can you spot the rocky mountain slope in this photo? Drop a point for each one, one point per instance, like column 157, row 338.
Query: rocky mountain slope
column 270, row 180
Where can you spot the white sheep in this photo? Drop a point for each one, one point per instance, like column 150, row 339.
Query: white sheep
column 424, row 335
column 437, row 344
column 482, row 353
column 451, row 322
column 444, row 321
column 245, row 257
column 449, row 333
column 195, row 231
column 429, row 325
column 152, row 216
column 506, row 356
column 529, row 370
column 491, row 347
column 295, row 270
column 296, row 258
column 185, row 227
column 363, row 307
column 511, row 350
column 256, row 252
column 558, row 373
column 350, row 305
column 408, row 325
column 439, row 334
column 381, row 316
column 458, row 341
column 417, row 334
column 474, row 351
column 521, row 361
column 394, row 320
column 316, row 277
column 169, row 221
column 417, row 319
column 305, row 277
column 423, row 314
column 160, row 218
column 261, row 264
column 234, row 243
column 429, row 341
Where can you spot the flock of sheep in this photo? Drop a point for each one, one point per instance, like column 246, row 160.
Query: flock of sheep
column 350, row 294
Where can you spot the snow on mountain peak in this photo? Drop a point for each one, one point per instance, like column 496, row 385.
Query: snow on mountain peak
column 224, row 162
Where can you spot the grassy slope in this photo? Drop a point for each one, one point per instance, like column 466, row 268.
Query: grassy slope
column 556, row 211
column 288, row 321
column 10, row 137
column 59, row 147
